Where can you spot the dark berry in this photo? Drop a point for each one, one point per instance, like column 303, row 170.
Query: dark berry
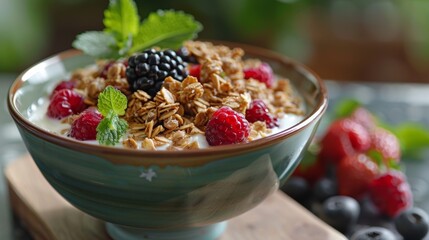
column 227, row 127
column 64, row 103
column 262, row 73
column 297, row 188
column 324, row 189
column 146, row 71
column 412, row 223
column 340, row 212
column 63, row 85
column 373, row 233
column 258, row 111
column 85, row 126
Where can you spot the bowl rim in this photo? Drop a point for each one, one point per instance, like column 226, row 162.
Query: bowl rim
column 188, row 157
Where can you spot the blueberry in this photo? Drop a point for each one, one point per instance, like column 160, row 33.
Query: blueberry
column 412, row 224
column 373, row 233
column 324, row 189
column 297, row 188
column 341, row 212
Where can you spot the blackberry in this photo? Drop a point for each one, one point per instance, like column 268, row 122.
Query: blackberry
column 147, row 70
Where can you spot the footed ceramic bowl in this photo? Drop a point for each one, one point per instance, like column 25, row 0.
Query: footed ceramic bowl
column 164, row 194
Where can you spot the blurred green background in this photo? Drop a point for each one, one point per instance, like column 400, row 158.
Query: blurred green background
column 366, row 40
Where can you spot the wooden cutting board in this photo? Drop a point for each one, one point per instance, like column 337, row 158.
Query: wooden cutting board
column 48, row 216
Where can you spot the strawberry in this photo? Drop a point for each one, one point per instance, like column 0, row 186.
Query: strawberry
column 364, row 117
column 343, row 138
column 354, row 174
column 391, row 193
column 386, row 145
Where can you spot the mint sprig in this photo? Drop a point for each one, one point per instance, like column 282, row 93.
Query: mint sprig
column 166, row 29
column 122, row 20
column 97, row 44
column 111, row 99
column 124, row 35
column 111, row 129
column 111, row 104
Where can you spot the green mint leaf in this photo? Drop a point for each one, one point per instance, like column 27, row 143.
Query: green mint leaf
column 413, row 138
column 346, row 107
column 166, row 29
column 122, row 20
column 112, row 99
column 111, row 129
column 97, row 44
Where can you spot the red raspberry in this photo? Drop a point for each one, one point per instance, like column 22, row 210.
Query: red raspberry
column 354, row 174
column 227, row 127
column 63, row 85
column 64, row 103
column 263, row 73
column 85, row 126
column 195, row 70
column 258, row 111
column 391, row 193
column 343, row 138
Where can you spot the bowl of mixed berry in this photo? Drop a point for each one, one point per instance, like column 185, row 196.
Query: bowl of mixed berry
column 159, row 135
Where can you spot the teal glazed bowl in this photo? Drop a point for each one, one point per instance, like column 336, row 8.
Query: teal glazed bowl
column 164, row 194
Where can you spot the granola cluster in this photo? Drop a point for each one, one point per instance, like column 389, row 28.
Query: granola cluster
column 181, row 109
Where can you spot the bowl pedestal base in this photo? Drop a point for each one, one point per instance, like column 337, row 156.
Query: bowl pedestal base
column 210, row 232
column 47, row 215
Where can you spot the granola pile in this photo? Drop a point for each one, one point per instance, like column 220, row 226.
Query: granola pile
column 182, row 109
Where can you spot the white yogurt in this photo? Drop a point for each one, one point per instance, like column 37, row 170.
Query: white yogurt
column 37, row 115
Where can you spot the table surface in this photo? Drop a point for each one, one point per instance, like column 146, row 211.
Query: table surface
column 394, row 103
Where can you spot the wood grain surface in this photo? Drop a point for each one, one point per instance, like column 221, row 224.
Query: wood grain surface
column 48, row 216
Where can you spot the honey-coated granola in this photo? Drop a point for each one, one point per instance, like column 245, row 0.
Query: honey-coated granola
column 183, row 108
